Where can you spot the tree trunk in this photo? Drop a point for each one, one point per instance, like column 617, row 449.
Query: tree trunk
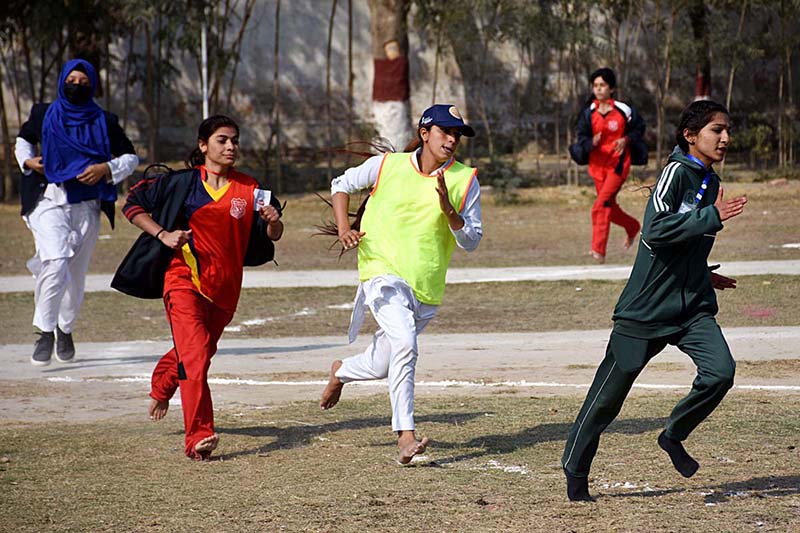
column 128, row 63
column 328, row 117
column 15, row 84
column 276, row 96
column 7, row 183
column 237, row 47
column 350, row 75
column 664, row 87
column 732, row 72
column 391, row 89
column 26, row 52
column 436, row 66
column 702, row 40
column 148, row 96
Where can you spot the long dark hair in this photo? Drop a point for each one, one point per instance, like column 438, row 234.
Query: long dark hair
column 608, row 76
column 695, row 117
column 204, row 133
column 367, row 150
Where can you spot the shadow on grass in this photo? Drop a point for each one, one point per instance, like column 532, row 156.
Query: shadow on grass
column 264, row 350
column 757, row 487
column 507, row 443
column 296, row 436
column 99, row 362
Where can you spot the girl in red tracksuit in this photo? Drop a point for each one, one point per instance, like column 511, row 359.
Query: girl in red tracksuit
column 607, row 130
column 203, row 277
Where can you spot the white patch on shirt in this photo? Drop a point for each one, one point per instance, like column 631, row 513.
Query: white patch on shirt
column 238, row 207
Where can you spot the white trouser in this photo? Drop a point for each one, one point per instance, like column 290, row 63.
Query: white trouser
column 393, row 351
column 65, row 236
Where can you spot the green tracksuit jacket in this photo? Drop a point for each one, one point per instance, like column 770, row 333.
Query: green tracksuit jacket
column 670, row 284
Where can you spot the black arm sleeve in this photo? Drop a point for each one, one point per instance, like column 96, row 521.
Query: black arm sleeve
column 579, row 150
column 31, row 130
column 119, row 142
column 635, row 127
column 145, row 195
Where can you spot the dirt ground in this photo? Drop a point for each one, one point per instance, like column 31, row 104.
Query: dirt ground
column 112, row 379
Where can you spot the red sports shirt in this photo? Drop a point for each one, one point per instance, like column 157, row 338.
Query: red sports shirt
column 611, row 126
column 211, row 262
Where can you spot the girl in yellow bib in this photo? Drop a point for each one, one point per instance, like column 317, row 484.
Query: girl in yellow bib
column 423, row 203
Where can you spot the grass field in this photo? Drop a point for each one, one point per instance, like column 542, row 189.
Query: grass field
column 549, row 226
column 493, row 466
column 494, row 461
column 484, row 307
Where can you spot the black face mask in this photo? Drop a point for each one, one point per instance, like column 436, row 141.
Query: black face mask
column 77, row 94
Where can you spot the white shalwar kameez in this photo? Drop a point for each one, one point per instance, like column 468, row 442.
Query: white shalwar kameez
column 392, row 354
column 65, row 236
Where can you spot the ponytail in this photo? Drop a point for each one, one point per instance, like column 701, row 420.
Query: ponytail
column 382, row 146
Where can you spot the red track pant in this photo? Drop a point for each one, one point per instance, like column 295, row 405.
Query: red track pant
column 606, row 209
column 197, row 325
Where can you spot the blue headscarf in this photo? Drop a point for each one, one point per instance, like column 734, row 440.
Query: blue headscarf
column 74, row 137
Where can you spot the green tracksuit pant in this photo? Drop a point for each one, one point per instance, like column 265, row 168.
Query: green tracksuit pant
column 625, row 358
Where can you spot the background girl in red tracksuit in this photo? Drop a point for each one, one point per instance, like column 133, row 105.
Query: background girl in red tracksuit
column 607, row 131
column 211, row 238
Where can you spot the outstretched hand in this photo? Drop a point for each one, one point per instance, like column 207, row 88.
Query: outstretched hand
column 453, row 218
column 175, row 239
column 720, row 282
column 729, row 208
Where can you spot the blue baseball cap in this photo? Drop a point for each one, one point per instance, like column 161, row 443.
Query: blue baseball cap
column 445, row 116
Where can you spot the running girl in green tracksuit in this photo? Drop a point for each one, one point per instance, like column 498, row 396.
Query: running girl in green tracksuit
column 669, row 299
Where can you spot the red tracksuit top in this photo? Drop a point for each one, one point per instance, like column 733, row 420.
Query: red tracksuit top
column 211, row 262
column 612, row 127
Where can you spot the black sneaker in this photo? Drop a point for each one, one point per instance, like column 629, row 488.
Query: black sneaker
column 43, row 349
column 65, row 348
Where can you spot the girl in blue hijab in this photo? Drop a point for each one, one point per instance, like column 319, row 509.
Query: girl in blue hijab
column 84, row 154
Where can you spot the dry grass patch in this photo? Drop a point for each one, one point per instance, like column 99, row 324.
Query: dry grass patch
column 768, row 369
column 484, row 307
column 493, row 466
column 549, row 226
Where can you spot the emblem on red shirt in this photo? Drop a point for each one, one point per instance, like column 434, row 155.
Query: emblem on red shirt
column 238, row 207
column 613, row 125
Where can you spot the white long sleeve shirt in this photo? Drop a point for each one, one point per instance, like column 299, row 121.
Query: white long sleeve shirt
column 365, row 175
column 121, row 167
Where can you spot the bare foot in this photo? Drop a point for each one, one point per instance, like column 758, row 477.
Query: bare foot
column 628, row 242
column 597, row 256
column 333, row 390
column 207, row 445
column 157, row 409
column 408, row 448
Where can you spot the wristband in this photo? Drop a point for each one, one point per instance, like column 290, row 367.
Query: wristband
column 159, row 233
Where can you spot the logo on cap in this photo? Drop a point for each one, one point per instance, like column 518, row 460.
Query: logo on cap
column 426, row 120
column 454, row 111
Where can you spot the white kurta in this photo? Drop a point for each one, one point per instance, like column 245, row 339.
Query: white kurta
column 65, row 236
column 400, row 316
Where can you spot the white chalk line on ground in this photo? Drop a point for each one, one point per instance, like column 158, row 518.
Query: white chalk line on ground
column 432, row 384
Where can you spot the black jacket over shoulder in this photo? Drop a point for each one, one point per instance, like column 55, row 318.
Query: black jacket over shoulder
column 634, row 130
column 142, row 271
column 32, row 186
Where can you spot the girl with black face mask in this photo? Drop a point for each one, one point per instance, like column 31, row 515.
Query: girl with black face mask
column 84, row 154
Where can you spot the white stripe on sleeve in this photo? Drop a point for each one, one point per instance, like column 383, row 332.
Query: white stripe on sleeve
column 664, row 183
